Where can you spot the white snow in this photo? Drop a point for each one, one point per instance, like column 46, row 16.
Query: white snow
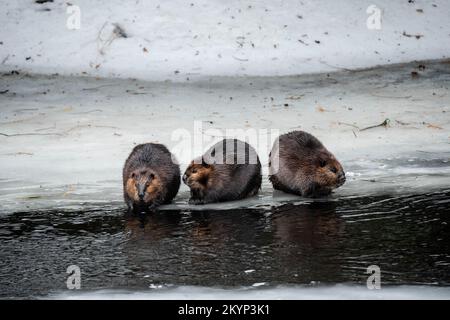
column 64, row 138
column 189, row 39
column 71, row 116
column 73, row 140
column 337, row 292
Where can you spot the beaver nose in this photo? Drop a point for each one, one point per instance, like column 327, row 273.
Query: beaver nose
column 341, row 177
column 141, row 191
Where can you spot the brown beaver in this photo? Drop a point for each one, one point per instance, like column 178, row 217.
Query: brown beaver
column 229, row 170
column 150, row 177
column 300, row 164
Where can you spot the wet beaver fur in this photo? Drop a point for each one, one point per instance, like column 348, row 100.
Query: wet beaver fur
column 229, row 170
column 300, row 164
column 151, row 177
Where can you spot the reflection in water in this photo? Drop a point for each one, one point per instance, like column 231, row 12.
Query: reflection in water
column 324, row 241
column 308, row 237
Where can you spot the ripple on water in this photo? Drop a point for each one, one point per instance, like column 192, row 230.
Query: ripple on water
column 327, row 241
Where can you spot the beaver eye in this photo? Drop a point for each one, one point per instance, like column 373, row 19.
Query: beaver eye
column 333, row 169
column 152, row 176
column 194, row 170
column 133, row 175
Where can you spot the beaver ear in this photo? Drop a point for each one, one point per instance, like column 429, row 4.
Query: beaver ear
column 204, row 164
column 322, row 163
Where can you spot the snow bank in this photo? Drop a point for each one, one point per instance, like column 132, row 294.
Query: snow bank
column 177, row 40
column 337, row 292
column 64, row 139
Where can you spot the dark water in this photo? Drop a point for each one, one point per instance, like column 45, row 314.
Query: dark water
column 328, row 242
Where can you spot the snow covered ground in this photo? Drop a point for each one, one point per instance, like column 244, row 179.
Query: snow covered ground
column 74, row 101
column 337, row 292
column 180, row 40
column 64, row 139
column 214, row 65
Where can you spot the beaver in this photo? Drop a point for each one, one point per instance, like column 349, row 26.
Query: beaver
column 229, row 170
column 151, row 177
column 300, row 164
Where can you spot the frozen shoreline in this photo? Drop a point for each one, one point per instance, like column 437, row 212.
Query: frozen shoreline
column 337, row 292
column 65, row 138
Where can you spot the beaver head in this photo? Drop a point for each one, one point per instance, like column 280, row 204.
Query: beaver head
column 326, row 174
column 197, row 175
column 143, row 186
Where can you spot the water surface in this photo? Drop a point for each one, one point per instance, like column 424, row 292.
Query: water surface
column 320, row 243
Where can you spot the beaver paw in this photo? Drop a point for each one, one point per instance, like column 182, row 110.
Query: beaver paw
column 153, row 206
column 196, row 201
